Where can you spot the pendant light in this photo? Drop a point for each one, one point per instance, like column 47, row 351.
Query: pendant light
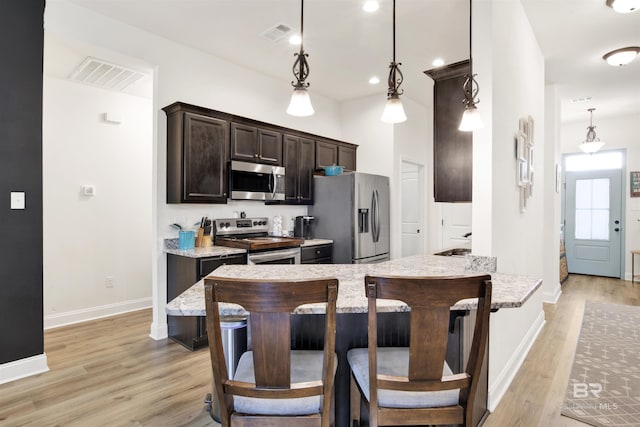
column 592, row 143
column 393, row 111
column 471, row 119
column 300, row 104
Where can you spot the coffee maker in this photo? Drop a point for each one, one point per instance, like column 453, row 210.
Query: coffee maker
column 303, row 227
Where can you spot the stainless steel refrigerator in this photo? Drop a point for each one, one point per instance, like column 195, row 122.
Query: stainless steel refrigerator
column 352, row 209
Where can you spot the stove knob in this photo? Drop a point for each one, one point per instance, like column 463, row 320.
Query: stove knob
column 264, row 222
column 255, row 223
column 228, row 224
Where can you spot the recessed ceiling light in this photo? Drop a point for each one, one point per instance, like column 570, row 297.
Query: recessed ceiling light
column 622, row 56
column 295, row 39
column 370, row 6
column 624, row 6
column 438, row 62
column 374, row 80
column 582, row 99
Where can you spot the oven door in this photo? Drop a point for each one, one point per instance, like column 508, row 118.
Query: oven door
column 277, row 256
column 252, row 181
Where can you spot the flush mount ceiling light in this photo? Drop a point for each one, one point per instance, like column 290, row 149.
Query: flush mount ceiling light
column 624, row 6
column 300, row 104
column 592, row 143
column 620, row 57
column 471, row 119
column 393, row 111
column 370, row 6
column 438, row 62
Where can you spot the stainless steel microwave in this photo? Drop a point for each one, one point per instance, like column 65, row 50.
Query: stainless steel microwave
column 254, row 181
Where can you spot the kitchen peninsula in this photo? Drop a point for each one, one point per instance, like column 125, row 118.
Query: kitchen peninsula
column 509, row 291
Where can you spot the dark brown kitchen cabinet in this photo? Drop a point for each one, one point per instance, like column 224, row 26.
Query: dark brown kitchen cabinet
column 326, row 154
column 318, row 254
column 197, row 156
column 335, row 153
column 299, row 163
column 452, row 149
column 182, row 273
column 347, row 157
column 255, row 145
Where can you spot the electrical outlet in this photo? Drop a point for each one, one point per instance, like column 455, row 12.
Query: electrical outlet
column 110, row 281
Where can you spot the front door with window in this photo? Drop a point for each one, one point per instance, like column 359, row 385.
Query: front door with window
column 593, row 222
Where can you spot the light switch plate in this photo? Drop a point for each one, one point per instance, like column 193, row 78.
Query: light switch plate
column 17, row 200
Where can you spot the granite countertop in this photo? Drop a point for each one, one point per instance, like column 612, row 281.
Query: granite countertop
column 171, row 247
column 509, row 291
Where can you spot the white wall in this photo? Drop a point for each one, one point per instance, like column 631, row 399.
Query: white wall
column 87, row 239
column 617, row 132
column 188, row 75
column 510, row 69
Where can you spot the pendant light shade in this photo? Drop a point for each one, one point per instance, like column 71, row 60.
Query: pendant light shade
column 471, row 119
column 592, row 143
column 393, row 111
column 300, row 104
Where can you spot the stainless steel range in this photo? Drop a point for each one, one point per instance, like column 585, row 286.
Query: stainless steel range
column 252, row 234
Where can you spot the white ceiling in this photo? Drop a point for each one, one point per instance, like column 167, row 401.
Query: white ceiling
column 346, row 45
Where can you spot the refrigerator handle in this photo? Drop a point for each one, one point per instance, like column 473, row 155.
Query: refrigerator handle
column 375, row 221
column 377, row 216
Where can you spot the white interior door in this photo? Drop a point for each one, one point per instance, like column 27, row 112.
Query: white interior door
column 412, row 235
column 456, row 224
column 593, row 222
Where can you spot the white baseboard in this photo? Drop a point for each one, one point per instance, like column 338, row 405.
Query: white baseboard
column 504, row 378
column 22, row 368
column 92, row 313
column 553, row 295
column 159, row 331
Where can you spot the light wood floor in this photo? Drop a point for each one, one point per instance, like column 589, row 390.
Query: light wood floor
column 110, row 373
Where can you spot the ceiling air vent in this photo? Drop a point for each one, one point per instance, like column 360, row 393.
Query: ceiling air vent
column 276, row 33
column 96, row 72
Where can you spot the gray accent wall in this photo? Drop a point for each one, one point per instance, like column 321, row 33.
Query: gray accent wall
column 21, row 49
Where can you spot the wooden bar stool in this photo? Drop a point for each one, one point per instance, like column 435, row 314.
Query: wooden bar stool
column 633, row 266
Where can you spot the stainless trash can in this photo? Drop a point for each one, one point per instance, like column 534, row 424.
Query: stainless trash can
column 234, row 342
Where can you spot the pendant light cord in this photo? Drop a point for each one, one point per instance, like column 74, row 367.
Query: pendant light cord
column 394, row 31
column 302, row 25
column 470, row 38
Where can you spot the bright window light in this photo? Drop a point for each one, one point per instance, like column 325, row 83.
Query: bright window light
column 598, row 161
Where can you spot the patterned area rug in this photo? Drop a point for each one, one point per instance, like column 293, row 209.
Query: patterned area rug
column 604, row 386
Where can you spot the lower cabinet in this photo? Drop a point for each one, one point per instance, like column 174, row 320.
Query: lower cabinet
column 182, row 273
column 319, row 254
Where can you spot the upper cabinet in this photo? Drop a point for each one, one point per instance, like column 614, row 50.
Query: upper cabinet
column 452, row 149
column 197, row 155
column 330, row 152
column 256, row 145
column 201, row 142
column 299, row 163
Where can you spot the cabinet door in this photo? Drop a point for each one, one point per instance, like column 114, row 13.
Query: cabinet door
column 290, row 158
column 347, row 157
column 207, row 265
column 269, row 147
column 244, row 142
column 306, row 164
column 205, row 159
column 326, row 154
column 452, row 149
